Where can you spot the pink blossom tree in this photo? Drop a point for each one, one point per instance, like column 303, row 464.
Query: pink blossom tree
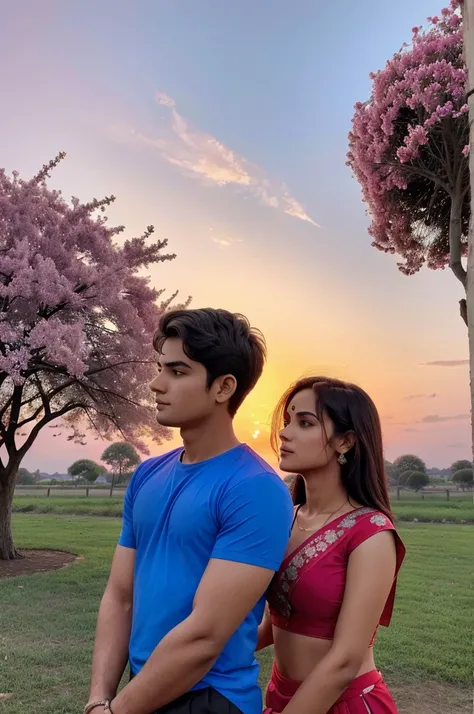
column 76, row 320
column 468, row 22
column 409, row 148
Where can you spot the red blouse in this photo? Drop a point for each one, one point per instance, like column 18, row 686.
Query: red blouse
column 306, row 594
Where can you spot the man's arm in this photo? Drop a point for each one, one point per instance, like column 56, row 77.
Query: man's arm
column 265, row 631
column 227, row 593
column 113, row 628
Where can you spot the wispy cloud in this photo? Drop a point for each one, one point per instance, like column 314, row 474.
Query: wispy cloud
column 206, row 158
column 165, row 100
column 436, row 419
column 446, row 363
column 457, row 445
column 411, row 397
column 222, row 239
column 410, row 430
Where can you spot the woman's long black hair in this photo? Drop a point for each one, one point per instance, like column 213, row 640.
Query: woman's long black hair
column 350, row 409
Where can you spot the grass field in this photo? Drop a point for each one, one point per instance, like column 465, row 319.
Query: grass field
column 432, row 509
column 48, row 619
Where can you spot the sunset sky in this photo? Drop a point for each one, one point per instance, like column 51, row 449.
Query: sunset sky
column 225, row 125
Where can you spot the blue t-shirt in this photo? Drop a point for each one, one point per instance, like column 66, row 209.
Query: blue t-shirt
column 178, row 516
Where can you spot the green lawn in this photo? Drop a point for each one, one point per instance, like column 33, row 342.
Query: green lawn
column 69, row 505
column 48, row 619
column 457, row 510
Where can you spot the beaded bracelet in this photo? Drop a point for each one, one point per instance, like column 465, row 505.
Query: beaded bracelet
column 100, row 703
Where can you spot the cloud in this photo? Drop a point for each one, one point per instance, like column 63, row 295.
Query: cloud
column 436, row 419
column 446, row 363
column 294, row 208
column 223, row 240
column 411, row 430
column 457, row 445
column 205, row 158
column 165, row 100
column 410, row 397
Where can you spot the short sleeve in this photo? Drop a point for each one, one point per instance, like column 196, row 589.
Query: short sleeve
column 364, row 529
column 366, row 526
column 255, row 517
column 127, row 534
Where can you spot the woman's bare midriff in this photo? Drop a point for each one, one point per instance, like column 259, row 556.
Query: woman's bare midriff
column 297, row 655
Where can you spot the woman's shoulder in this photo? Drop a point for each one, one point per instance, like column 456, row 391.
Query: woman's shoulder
column 368, row 522
column 367, row 517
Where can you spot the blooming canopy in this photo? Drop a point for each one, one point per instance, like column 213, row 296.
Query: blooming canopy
column 408, row 148
column 77, row 316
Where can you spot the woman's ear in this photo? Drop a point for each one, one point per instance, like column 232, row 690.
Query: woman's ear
column 345, row 442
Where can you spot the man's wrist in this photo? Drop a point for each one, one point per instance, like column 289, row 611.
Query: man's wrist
column 96, row 705
column 115, row 707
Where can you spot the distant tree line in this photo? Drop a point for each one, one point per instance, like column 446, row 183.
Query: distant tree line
column 121, row 458
column 409, row 471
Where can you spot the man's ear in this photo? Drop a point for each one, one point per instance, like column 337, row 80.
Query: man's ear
column 224, row 387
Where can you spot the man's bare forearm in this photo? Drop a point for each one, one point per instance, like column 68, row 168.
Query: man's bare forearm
column 111, row 646
column 265, row 631
column 179, row 662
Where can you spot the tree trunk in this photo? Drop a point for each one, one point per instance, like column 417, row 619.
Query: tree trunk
column 455, row 249
column 112, row 484
column 7, row 488
column 468, row 23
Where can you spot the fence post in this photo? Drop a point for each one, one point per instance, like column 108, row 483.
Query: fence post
column 447, row 494
column 48, row 491
column 398, row 493
column 87, row 492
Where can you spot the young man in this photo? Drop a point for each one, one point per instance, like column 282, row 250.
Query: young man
column 204, row 529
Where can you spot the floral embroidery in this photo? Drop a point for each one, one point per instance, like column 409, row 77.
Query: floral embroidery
column 313, row 548
column 292, row 572
column 330, row 536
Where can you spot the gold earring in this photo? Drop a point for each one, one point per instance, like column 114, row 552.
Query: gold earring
column 342, row 459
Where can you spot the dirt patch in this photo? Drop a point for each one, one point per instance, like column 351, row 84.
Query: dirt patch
column 35, row 561
column 432, row 698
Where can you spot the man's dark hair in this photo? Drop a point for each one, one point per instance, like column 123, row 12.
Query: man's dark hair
column 223, row 342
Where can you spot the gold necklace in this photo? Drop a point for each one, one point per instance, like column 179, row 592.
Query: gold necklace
column 307, row 530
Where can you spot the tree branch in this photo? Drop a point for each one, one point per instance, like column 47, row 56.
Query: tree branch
column 109, row 392
column 31, row 418
column 36, row 429
column 455, row 235
column 14, row 416
column 418, row 171
column 6, row 407
column 94, row 425
column 44, row 400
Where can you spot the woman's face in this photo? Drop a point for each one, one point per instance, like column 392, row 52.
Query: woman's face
column 305, row 441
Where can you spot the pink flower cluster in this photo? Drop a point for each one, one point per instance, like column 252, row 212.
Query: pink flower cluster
column 427, row 82
column 75, row 309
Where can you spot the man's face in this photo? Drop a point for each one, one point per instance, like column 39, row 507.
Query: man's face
column 180, row 388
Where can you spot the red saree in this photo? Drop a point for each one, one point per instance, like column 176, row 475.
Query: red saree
column 306, row 595
column 367, row 694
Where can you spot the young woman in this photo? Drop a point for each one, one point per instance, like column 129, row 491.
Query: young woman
column 337, row 582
